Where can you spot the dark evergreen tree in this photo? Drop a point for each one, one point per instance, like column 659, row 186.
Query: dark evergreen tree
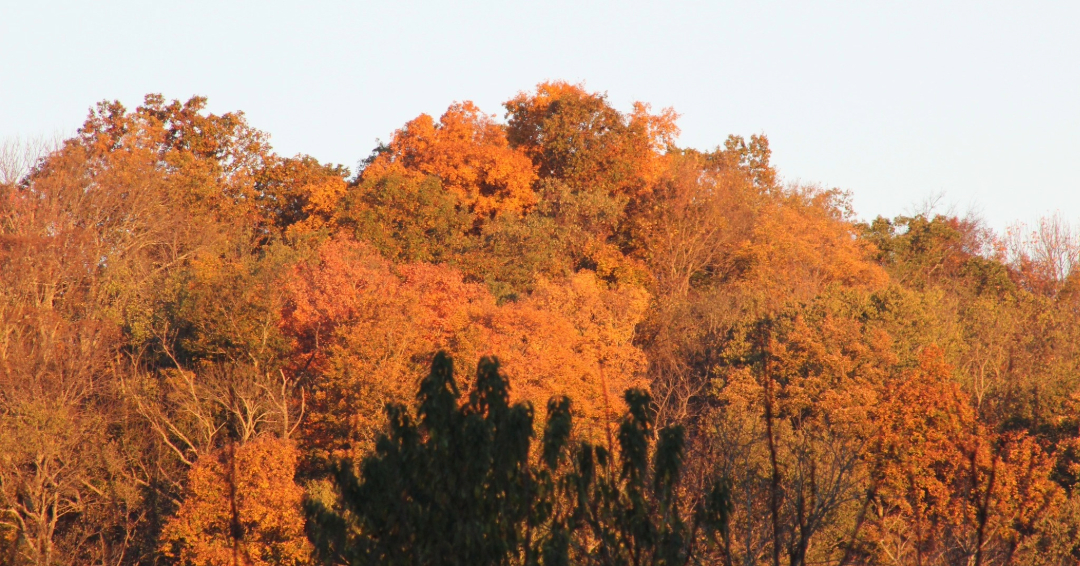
column 456, row 485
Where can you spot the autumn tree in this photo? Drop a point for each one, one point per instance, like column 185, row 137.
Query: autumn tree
column 362, row 326
column 593, row 162
column 470, row 155
column 1043, row 256
column 1012, row 345
column 577, row 137
column 214, row 159
column 120, row 250
column 299, row 194
column 242, row 507
column 70, row 470
column 407, row 219
column 791, row 424
column 725, row 245
column 946, row 488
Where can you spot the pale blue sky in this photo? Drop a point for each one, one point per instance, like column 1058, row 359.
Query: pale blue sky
column 893, row 101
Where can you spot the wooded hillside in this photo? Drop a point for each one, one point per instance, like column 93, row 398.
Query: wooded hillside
column 199, row 338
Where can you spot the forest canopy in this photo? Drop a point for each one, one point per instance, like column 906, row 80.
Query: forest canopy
column 210, row 354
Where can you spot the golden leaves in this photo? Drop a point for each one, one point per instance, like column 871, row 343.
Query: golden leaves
column 367, row 328
column 242, row 507
column 469, row 152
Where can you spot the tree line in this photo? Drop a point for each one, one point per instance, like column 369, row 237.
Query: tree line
column 210, row 353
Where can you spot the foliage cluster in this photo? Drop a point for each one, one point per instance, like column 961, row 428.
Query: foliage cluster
column 199, row 337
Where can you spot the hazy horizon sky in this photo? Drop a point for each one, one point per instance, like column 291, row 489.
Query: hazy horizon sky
column 894, row 102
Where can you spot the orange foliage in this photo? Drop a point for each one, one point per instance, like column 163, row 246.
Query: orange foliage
column 795, row 344
column 944, row 480
column 242, row 508
column 300, row 193
column 368, row 328
column 212, row 160
column 573, row 339
column 469, row 152
column 574, row 135
column 800, row 244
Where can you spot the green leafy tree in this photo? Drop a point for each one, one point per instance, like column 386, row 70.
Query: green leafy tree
column 461, row 484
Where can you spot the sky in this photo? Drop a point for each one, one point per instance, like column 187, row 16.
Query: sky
column 975, row 104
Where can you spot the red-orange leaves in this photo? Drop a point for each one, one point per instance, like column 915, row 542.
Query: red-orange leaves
column 469, row 152
column 364, row 329
column 947, row 486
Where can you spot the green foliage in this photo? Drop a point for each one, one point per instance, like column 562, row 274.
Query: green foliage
column 459, row 483
column 408, row 220
column 446, row 488
column 159, row 303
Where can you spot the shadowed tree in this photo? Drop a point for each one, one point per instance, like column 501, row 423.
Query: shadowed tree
column 459, row 483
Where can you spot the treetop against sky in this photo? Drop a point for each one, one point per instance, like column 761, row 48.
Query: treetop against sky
column 897, row 104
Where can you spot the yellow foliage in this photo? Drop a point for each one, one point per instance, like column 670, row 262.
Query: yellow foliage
column 799, row 246
column 242, row 509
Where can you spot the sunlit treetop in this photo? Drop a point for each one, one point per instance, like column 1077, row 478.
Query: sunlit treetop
column 578, row 137
column 469, row 152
